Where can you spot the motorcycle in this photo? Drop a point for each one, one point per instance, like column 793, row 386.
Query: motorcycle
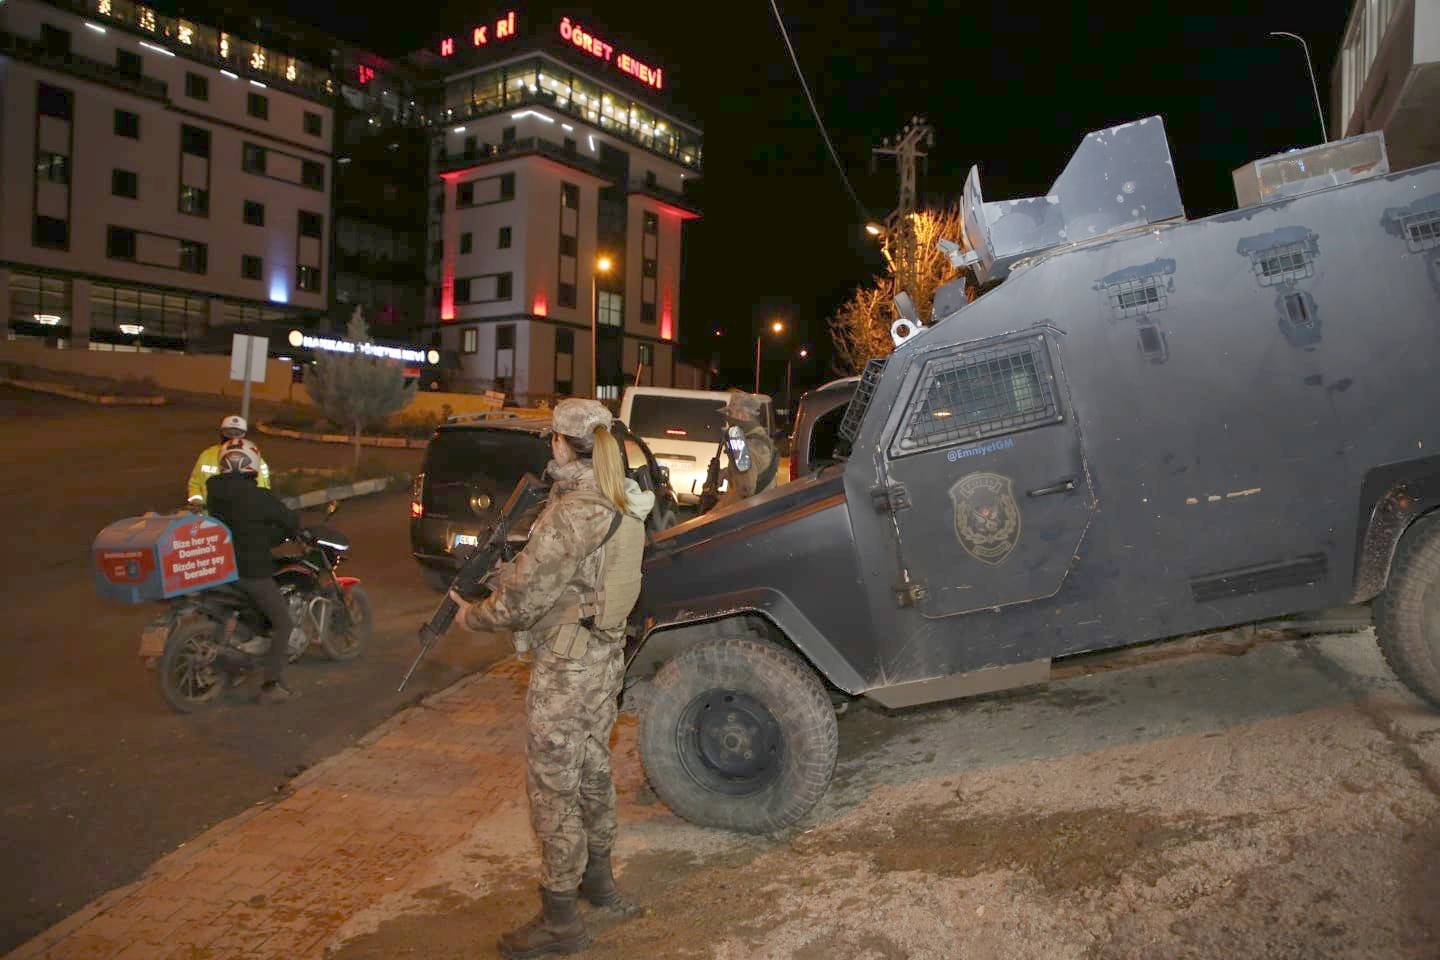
column 205, row 641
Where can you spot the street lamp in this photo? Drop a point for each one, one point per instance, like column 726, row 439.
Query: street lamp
column 803, row 354
column 777, row 327
column 1314, row 88
column 603, row 264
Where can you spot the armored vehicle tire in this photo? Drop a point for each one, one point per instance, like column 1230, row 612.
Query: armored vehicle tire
column 738, row 734
column 1407, row 614
column 186, row 673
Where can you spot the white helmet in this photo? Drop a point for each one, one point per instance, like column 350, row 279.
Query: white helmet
column 239, row 456
column 233, row 427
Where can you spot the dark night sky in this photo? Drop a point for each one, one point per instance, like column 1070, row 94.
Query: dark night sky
column 1010, row 89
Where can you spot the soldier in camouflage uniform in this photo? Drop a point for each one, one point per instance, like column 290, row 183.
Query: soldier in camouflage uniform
column 567, row 596
column 742, row 479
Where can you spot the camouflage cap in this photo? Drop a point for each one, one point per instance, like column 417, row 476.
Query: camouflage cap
column 578, row 417
column 742, row 406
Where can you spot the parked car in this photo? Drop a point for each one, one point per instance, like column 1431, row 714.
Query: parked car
column 814, row 441
column 683, row 428
column 1143, row 426
column 472, row 463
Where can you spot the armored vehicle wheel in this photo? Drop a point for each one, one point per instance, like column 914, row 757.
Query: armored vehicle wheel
column 1407, row 614
column 738, row 734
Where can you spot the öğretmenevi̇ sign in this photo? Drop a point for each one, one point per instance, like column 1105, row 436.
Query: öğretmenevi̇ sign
column 504, row 28
column 593, row 45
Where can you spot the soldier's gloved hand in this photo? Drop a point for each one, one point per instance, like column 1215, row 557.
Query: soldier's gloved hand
column 462, row 613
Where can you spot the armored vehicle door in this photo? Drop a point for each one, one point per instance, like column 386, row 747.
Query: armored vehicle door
column 985, row 474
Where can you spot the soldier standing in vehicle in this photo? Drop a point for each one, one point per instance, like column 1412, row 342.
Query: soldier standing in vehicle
column 567, row 595
column 753, row 460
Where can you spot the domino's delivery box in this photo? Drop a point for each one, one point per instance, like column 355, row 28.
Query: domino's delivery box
column 160, row 556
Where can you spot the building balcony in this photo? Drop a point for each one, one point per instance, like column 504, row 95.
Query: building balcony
column 518, row 97
column 525, row 147
column 670, row 197
column 33, row 51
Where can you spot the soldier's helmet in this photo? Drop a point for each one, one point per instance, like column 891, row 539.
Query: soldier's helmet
column 578, row 417
column 742, row 406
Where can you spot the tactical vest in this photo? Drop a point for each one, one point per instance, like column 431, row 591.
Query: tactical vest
column 601, row 610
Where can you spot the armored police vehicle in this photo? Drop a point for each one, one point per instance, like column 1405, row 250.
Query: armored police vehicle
column 1152, row 427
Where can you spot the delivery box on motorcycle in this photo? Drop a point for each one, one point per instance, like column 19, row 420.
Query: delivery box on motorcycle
column 160, row 556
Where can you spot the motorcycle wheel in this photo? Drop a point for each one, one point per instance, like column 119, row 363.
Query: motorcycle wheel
column 186, row 673
column 349, row 643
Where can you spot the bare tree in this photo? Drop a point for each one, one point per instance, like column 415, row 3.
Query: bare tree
column 915, row 264
column 357, row 390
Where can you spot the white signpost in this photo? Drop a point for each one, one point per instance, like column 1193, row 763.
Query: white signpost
column 247, row 362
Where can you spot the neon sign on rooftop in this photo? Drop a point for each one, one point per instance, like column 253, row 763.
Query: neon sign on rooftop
column 575, row 34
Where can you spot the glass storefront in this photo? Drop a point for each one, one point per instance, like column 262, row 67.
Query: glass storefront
column 541, row 82
column 40, row 306
column 129, row 316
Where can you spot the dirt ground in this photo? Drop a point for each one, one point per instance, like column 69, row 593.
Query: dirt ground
column 1281, row 803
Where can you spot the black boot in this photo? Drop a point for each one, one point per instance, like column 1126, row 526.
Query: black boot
column 557, row 928
column 598, row 884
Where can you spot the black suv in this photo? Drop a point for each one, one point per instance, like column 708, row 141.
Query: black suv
column 471, row 465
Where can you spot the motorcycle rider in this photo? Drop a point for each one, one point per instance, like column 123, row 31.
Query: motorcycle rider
column 257, row 521
column 753, row 460
column 207, row 464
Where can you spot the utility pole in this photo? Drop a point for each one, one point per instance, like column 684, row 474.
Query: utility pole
column 909, row 146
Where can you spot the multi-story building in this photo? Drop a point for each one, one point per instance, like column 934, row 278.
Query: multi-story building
column 1387, row 77
column 162, row 182
column 381, row 158
column 555, row 155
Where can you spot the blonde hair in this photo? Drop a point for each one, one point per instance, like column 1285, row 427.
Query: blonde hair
column 609, row 465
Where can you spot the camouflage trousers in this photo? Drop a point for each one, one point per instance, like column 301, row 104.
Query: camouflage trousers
column 570, row 711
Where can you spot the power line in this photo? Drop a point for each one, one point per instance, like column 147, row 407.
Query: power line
column 815, row 110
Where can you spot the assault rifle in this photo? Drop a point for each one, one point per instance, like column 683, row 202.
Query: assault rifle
column 502, row 543
column 710, row 491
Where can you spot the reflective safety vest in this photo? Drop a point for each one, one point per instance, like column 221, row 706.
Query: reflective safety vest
column 207, row 465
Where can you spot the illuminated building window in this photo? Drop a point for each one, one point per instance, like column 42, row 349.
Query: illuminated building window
column 469, row 340
column 257, row 59
column 611, row 309
column 647, row 354
column 146, row 18
column 52, row 167
column 39, row 304
column 569, row 196
column 652, row 224
column 195, row 201
column 307, row 278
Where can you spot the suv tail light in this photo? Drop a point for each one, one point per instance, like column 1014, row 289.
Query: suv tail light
column 417, row 491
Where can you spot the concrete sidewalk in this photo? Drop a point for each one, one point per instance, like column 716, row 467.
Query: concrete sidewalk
column 353, row 832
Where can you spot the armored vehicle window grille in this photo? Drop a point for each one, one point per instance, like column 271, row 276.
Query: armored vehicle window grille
column 1133, row 298
column 1422, row 230
column 1280, row 264
column 981, row 394
column 864, row 390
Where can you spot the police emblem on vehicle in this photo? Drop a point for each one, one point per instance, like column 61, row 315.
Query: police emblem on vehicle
column 987, row 519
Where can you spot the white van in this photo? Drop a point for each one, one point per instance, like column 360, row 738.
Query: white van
column 683, row 429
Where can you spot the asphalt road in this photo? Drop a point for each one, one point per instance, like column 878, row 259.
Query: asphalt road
column 100, row 777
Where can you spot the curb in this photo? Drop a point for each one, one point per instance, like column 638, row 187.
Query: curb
column 103, row 399
column 317, row 497
column 408, row 443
